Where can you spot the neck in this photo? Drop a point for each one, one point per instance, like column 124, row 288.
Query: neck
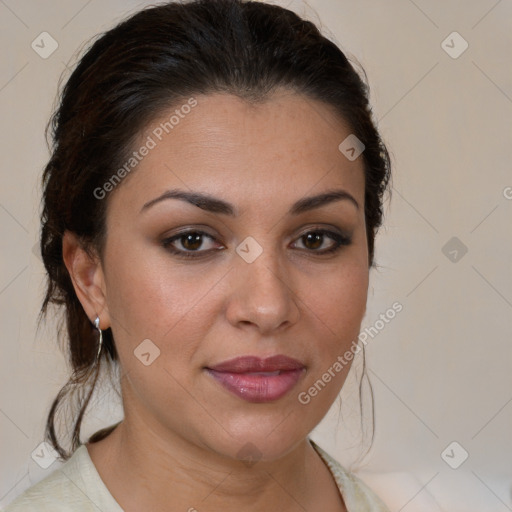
column 146, row 469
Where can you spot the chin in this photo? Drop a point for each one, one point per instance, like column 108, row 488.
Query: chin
column 264, row 438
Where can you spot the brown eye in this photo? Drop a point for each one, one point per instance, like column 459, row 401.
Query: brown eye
column 191, row 241
column 313, row 240
column 322, row 242
column 191, row 244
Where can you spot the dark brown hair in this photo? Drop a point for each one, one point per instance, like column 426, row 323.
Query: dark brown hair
column 158, row 58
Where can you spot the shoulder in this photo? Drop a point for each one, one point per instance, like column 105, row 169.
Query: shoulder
column 357, row 495
column 70, row 487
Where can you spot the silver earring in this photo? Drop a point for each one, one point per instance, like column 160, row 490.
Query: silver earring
column 97, row 325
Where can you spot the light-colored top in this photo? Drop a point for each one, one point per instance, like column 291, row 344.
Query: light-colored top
column 77, row 486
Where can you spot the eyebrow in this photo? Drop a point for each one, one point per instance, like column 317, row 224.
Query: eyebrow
column 214, row 205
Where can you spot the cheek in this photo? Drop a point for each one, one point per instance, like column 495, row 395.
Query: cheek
column 340, row 300
column 139, row 289
column 148, row 298
column 337, row 309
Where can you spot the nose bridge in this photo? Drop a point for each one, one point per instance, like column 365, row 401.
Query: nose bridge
column 265, row 273
column 262, row 293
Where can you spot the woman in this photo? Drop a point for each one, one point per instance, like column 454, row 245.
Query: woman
column 210, row 209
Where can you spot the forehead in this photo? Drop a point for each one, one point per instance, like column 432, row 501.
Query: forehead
column 285, row 146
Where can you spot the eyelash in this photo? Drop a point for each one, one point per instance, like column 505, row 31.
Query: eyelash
column 338, row 239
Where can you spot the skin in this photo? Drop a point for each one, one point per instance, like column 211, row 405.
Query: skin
column 177, row 446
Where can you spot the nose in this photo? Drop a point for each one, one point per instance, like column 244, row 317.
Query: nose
column 261, row 295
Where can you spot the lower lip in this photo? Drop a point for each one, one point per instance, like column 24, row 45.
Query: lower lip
column 258, row 388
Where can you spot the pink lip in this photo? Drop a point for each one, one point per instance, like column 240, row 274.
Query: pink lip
column 258, row 380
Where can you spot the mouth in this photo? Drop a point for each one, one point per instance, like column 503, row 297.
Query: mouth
column 258, row 380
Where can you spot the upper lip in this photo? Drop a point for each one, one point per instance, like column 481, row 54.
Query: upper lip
column 249, row 364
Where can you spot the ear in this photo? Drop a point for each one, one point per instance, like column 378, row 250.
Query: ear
column 87, row 277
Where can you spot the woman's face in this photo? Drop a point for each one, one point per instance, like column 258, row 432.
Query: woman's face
column 245, row 258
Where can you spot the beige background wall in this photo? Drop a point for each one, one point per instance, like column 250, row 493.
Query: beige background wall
column 442, row 368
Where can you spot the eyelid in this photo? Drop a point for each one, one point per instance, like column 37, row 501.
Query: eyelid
column 346, row 234
column 324, row 228
column 195, row 228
